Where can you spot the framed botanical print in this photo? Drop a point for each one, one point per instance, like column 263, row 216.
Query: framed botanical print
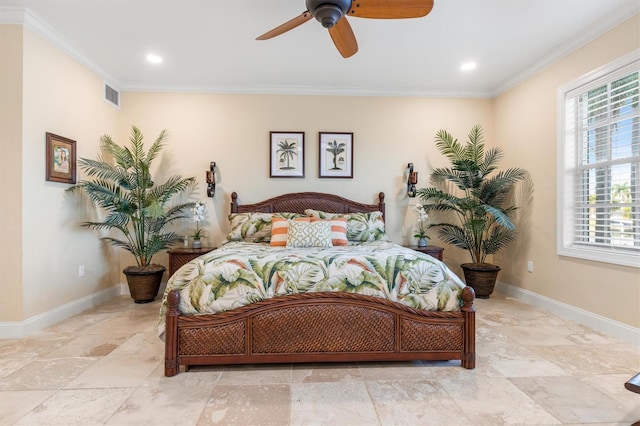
column 336, row 155
column 61, row 159
column 286, row 154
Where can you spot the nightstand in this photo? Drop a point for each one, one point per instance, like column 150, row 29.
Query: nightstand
column 433, row 251
column 180, row 256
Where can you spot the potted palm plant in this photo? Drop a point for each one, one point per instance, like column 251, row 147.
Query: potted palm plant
column 135, row 206
column 479, row 200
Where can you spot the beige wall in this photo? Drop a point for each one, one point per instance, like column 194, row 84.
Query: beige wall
column 526, row 123
column 62, row 97
column 233, row 130
column 11, row 171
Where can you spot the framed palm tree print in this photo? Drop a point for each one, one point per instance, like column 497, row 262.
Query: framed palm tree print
column 286, row 154
column 336, row 155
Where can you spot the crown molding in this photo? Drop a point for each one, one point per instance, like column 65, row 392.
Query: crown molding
column 602, row 26
column 24, row 16
column 307, row 90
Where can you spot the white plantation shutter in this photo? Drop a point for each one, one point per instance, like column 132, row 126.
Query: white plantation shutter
column 599, row 167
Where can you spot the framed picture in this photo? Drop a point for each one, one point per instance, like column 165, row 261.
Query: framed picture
column 61, row 159
column 336, row 155
column 286, row 157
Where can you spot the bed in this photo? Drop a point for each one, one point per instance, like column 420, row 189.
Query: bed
column 270, row 318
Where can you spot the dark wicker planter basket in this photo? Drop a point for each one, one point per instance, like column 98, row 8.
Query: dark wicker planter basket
column 144, row 283
column 481, row 277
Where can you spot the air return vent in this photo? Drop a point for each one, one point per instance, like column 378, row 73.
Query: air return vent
column 112, row 96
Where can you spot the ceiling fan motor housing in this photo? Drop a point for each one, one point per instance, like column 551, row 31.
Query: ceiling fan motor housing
column 328, row 13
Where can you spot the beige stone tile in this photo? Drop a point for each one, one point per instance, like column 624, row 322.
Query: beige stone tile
column 162, row 406
column 592, row 359
column 46, row 374
column 256, row 375
column 81, row 323
column 11, row 365
column 248, row 405
column 127, row 366
column 341, row 403
column 572, row 400
column 16, row 404
column 540, row 335
column 88, row 345
column 414, row 402
column 78, row 407
column 495, row 401
column 125, row 325
column 311, row 373
column 196, row 376
column 612, row 385
column 499, row 311
column 410, row 370
column 513, row 360
column 526, row 366
column 33, row 346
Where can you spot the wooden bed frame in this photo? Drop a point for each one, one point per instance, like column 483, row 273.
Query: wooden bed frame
column 318, row 327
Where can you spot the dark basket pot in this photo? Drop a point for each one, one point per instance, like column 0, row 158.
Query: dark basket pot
column 481, row 277
column 144, row 282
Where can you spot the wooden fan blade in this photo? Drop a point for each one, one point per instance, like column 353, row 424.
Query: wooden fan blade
column 289, row 25
column 343, row 37
column 390, row 9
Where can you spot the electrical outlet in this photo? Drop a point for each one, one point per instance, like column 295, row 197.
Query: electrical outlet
column 81, row 271
column 530, row 266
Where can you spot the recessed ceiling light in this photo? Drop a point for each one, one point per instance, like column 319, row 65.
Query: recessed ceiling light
column 468, row 66
column 154, row 59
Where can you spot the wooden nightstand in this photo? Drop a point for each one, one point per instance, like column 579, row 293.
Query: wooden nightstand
column 434, row 251
column 180, row 256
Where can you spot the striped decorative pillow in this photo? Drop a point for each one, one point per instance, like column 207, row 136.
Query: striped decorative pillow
column 338, row 230
column 280, row 229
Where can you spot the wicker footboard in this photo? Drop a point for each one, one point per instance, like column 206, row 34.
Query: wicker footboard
column 319, row 327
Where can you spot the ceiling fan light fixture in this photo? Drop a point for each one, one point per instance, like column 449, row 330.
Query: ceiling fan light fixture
column 328, row 12
column 328, row 15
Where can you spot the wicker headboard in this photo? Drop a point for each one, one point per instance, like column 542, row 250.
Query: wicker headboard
column 297, row 202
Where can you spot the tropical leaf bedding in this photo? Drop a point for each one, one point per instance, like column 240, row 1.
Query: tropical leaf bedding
column 240, row 273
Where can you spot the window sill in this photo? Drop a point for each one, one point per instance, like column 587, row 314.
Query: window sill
column 615, row 257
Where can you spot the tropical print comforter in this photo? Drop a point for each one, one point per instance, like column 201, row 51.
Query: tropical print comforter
column 240, row 273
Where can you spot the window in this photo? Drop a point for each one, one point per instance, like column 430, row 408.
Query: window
column 599, row 164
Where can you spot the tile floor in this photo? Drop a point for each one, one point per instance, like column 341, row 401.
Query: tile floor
column 104, row 367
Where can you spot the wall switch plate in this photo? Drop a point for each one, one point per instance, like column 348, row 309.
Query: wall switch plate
column 81, row 271
column 530, row 266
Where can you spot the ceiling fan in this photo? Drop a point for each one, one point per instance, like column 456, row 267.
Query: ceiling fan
column 332, row 14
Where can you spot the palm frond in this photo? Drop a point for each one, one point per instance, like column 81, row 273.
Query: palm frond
column 449, row 146
column 123, row 187
column 481, row 205
column 474, row 150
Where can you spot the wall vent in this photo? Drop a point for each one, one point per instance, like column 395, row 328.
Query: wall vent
column 112, row 96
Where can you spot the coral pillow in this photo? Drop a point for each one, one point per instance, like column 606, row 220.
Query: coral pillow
column 338, row 230
column 280, row 229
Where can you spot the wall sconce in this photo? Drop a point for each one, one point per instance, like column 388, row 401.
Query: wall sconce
column 412, row 181
column 211, row 180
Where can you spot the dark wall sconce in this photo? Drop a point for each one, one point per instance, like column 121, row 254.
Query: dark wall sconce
column 412, row 181
column 211, row 180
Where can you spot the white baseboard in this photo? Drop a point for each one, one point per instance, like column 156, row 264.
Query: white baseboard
column 14, row 330
column 597, row 322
